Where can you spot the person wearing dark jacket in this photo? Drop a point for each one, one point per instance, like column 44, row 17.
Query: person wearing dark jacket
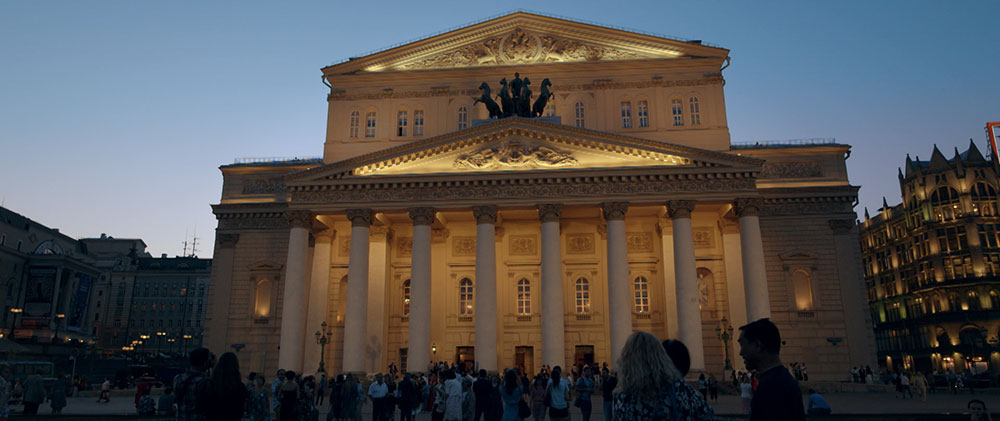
column 226, row 394
column 484, row 394
column 408, row 398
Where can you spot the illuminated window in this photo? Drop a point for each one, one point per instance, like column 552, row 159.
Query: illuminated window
column 418, row 122
column 355, row 124
column 678, row 111
column 370, row 124
column 579, row 114
column 944, row 201
column 995, row 300
column 262, row 299
column 984, row 200
column 463, row 118
column 974, row 303
column 582, row 296
column 643, row 113
column 401, row 123
column 626, row 115
column 802, row 283
column 524, row 296
column 695, row 110
column 406, row 297
column 640, row 291
column 465, row 296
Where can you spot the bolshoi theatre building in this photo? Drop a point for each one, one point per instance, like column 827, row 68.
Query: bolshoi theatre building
column 430, row 231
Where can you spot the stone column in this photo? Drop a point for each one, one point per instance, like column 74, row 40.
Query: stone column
column 486, row 287
column 686, row 278
column 553, row 323
column 857, row 317
column 754, row 270
column 293, row 308
column 619, row 302
column 357, row 291
column 217, row 318
column 669, row 282
column 378, row 276
column 418, row 354
column 319, row 287
column 734, row 283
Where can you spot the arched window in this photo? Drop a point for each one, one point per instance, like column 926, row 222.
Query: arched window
column 995, row 300
column 626, row 115
column 580, row 115
column 643, row 113
column 550, row 108
column 463, row 118
column 418, row 122
column 465, row 296
column 973, row 301
column 640, row 293
column 695, row 110
column 355, row 124
column 524, row 296
column 406, row 297
column 677, row 109
column 370, row 124
column 944, row 200
column 582, row 296
column 401, row 123
column 802, row 283
column 984, row 199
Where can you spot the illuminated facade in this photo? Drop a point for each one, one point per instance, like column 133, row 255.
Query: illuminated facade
column 429, row 233
column 932, row 266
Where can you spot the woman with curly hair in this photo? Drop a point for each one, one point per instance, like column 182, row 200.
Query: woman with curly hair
column 651, row 388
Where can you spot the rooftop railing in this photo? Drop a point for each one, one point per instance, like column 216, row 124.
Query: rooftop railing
column 275, row 159
column 788, row 142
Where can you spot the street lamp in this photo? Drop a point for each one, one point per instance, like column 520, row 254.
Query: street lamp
column 323, row 336
column 13, row 322
column 725, row 332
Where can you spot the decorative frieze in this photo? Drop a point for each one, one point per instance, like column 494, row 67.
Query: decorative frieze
column 404, row 246
column 704, row 237
column 274, row 185
column 580, row 243
column 523, row 245
column 227, row 240
column 514, row 155
column 794, row 169
column 639, row 242
column 463, row 246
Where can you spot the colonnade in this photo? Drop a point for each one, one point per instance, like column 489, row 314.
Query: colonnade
column 689, row 330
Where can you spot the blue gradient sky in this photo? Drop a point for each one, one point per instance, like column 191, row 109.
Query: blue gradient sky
column 115, row 115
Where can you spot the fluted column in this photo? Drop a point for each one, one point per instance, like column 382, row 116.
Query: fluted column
column 754, row 271
column 686, row 278
column 486, row 287
column 418, row 353
column 293, row 307
column 319, row 286
column 219, row 296
column 619, row 302
column 553, row 329
column 357, row 291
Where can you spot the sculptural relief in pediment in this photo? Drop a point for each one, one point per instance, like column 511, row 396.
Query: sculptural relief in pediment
column 515, row 155
column 522, row 46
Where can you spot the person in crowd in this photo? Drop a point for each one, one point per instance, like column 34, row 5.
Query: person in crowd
column 378, row 391
column 713, row 388
column 350, row 398
column 409, row 397
column 321, row 389
column 105, row 394
column 307, row 397
column 977, row 411
column 584, row 388
column 511, row 394
column 482, row 388
column 34, row 393
column 777, row 396
column 650, row 387
column 609, row 380
column 288, row 393
column 336, row 403
column 439, row 396
column 468, row 399
column 6, row 390
column 190, row 384
column 558, row 396
column 165, row 405
column 57, row 393
column 678, row 354
column 259, row 401
column 536, row 395
column 279, row 379
column 746, row 392
column 920, row 382
column 703, row 386
column 817, row 404
column 225, row 394
column 453, row 393
column 146, row 405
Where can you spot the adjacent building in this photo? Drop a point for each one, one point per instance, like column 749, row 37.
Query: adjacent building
column 932, row 266
column 430, row 231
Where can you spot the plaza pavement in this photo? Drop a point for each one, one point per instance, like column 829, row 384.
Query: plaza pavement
column 842, row 403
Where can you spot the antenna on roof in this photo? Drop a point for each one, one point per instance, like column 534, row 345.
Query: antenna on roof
column 194, row 241
column 184, row 253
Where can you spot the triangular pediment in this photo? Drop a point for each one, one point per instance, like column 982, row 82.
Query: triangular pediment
column 519, row 145
column 524, row 38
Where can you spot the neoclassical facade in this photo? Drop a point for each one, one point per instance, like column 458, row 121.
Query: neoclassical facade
column 429, row 232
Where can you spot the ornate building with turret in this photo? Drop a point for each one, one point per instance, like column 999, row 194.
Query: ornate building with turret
column 932, row 266
column 430, row 231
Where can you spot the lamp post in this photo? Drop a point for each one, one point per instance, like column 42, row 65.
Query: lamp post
column 322, row 338
column 13, row 323
column 725, row 332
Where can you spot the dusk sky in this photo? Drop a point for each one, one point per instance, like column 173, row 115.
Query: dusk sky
column 115, row 115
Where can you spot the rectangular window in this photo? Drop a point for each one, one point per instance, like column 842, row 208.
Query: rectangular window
column 695, row 109
column 579, row 115
column 355, row 123
column 401, row 123
column 418, row 122
column 463, row 118
column 678, row 111
column 370, row 124
column 626, row 115
column 643, row 113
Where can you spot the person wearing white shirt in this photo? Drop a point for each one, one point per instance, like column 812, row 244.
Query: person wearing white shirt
column 377, row 392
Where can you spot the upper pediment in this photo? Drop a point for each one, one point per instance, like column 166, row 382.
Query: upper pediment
column 524, row 38
column 519, row 145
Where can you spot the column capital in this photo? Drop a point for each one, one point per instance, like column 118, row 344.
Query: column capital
column 422, row 216
column 485, row 214
column 549, row 213
column 323, row 235
column 226, row 240
column 841, row 226
column 747, row 206
column 360, row 217
column 680, row 208
column 299, row 218
column 614, row 210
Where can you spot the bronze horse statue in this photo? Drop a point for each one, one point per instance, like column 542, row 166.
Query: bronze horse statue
column 487, row 99
column 543, row 98
column 506, row 102
column 524, row 106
